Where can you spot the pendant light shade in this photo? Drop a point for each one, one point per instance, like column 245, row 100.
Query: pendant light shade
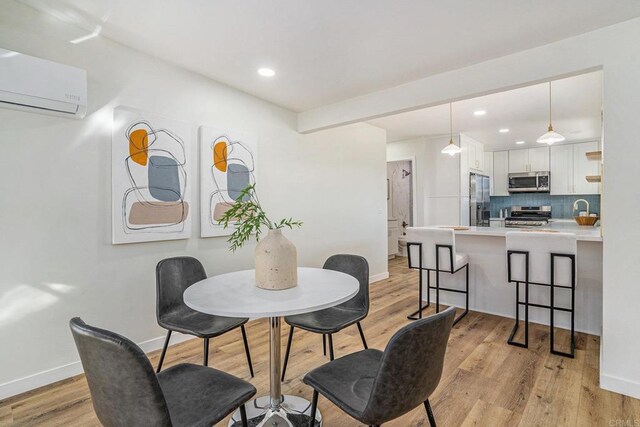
column 451, row 149
column 550, row 136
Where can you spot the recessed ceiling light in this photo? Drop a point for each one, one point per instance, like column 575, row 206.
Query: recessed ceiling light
column 519, row 142
column 266, row 72
column 479, row 113
column 504, row 130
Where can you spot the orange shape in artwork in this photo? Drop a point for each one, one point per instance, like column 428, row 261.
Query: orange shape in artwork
column 138, row 145
column 220, row 156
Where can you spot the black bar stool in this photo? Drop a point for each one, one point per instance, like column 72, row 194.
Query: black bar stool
column 542, row 259
column 434, row 249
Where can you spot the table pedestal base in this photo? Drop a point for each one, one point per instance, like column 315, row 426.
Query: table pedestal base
column 294, row 412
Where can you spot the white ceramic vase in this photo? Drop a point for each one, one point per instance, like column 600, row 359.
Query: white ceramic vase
column 276, row 261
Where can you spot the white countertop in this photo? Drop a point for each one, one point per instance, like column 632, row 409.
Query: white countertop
column 583, row 233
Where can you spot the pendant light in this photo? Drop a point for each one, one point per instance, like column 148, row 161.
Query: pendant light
column 551, row 136
column 451, row 148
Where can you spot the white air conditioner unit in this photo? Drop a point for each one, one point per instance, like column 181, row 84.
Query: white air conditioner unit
column 40, row 86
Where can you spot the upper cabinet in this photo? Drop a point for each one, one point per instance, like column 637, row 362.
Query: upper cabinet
column 561, row 169
column 518, row 161
column 488, row 169
column 570, row 166
column 529, row 160
column 500, row 176
column 539, row 159
column 475, row 153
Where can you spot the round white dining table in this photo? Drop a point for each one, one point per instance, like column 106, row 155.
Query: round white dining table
column 236, row 295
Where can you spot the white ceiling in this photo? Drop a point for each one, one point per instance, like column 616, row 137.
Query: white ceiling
column 577, row 106
column 325, row 51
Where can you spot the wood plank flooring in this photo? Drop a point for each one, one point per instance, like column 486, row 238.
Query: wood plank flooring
column 485, row 381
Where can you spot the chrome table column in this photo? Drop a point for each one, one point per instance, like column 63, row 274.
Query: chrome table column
column 277, row 410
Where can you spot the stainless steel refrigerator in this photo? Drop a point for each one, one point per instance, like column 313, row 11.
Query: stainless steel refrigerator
column 479, row 200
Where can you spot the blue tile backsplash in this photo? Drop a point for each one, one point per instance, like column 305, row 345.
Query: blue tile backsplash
column 561, row 206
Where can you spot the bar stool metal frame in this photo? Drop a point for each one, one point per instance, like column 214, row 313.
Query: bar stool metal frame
column 418, row 313
column 551, row 307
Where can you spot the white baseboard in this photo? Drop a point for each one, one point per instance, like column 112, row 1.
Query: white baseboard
column 620, row 385
column 378, row 277
column 40, row 379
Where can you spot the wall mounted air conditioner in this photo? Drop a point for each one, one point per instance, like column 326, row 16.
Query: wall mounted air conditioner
column 40, row 86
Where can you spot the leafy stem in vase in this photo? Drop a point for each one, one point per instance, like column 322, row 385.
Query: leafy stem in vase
column 247, row 216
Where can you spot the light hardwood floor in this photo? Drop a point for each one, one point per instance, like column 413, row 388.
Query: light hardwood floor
column 485, row 381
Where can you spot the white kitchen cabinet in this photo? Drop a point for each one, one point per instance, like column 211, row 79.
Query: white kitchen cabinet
column 518, row 161
column 582, row 167
column 539, row 159
column 529, row 160
column 479, row 156
column 570, row 166
column 500, row 176
column 561, row 169
column 475, row 153
column 488, row 169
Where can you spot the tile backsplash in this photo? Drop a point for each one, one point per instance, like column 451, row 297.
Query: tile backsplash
column 561, row 206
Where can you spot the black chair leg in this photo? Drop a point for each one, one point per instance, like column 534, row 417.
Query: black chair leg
column 432, row 419
column 330, row 347
column 164, row 351
column 243, row 416
column 286, row 354
column 324, row 344
column 364, row 342
column 246, row 349
column 206, row 352
column 314, row 407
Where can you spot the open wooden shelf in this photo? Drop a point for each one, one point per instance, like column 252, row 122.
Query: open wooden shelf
column 594, row 178
column 594, row 155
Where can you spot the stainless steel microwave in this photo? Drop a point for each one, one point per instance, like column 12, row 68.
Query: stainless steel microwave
column 529, row 182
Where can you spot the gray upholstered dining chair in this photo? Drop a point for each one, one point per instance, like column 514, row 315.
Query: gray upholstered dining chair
column 334, row 319
column 125, row 391
column 173, row 277
column 374, row 386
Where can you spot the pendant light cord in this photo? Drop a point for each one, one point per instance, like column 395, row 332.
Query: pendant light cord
column 450, row 123
column 550, row 126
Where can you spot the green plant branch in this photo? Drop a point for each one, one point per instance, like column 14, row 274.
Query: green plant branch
column 248, row 217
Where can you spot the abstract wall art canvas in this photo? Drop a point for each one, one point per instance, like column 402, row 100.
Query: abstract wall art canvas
column 228, row 164
column 150, row 177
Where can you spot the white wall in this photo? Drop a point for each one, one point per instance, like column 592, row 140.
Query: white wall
column 55, row 194
column 616, row 50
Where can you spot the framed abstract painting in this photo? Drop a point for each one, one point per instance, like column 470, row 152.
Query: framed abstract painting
column 228, row 164
column 150, row 176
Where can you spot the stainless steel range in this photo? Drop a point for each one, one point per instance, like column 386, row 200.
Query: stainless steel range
column 528, row 216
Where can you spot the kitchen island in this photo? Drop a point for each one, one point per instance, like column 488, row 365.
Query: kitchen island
column 489, row 291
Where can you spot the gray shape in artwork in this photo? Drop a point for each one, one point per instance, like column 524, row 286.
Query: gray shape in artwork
column 164, row 179
column 238, row 178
